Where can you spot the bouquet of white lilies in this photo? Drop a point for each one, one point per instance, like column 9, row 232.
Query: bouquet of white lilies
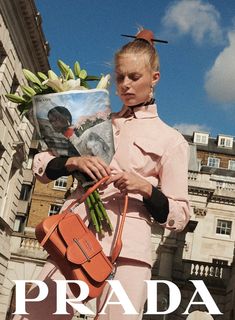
column 75, row 79
column 40, row 83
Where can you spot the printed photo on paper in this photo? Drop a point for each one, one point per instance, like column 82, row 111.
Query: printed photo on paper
column 75, row 123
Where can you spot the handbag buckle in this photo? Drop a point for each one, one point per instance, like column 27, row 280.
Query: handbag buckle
column 81, row 248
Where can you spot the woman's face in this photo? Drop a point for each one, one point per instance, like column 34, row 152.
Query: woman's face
column 134, row 79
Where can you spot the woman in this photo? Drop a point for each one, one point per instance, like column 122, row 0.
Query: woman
column 148, row 154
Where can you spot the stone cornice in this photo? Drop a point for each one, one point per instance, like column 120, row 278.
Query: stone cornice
column 197, row 190
column 24, row 25
column 211, row 195
column 223, row 200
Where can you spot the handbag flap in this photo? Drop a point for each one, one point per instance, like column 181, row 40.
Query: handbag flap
column 99, row 268
column 72, row 227
column 83, row 248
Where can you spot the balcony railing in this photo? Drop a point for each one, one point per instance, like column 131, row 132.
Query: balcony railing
column 30, row 244
column 219, row 185
column 27, row 246
column 206, row 271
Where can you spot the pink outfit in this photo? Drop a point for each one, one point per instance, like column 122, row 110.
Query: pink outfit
column 148, row 147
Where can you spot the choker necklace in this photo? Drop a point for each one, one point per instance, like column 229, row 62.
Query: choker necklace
column 151, row 101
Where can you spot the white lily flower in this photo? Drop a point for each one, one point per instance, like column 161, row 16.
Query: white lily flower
column 59, row 86
column 104, row 82
column 72, row 84
column 55, row 84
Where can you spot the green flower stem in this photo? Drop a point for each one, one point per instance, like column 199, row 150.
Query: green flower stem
column 96, row 207
column 102, row 208
column 94, row 220
column 92, row 214
column 97, row 212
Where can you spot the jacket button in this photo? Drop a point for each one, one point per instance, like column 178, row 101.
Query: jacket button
column 40, row 170
column 171, row 222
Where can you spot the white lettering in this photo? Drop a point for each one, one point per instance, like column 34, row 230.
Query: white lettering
column 174, row 297
column 61, row 300
column 20, row 294
column 207, row 299
column 122, row 297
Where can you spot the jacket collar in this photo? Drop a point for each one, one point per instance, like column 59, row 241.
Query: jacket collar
column 138, row 112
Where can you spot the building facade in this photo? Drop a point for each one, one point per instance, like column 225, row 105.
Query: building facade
column 205, row 249
column 22, row 45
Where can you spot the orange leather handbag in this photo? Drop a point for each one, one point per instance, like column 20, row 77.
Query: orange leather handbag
column 75, row 249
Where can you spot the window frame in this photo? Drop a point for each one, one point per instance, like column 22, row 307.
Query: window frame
column 51, row 212
column 19, row 223
column 223, row 227
column 213, row 158
column 229, row 166
column 25, row 192
column 199, row 136
column 228, row 142
column 29, row 162
column 58, row 183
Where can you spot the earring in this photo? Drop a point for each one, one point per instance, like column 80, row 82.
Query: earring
column 151, row 93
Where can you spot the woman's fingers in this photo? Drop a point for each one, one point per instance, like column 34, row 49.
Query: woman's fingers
column 114, row 178
column 130, row 182
column 95, row 167
column 100, row 167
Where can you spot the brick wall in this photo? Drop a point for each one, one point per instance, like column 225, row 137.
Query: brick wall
column 224, row 159
column 43, row 196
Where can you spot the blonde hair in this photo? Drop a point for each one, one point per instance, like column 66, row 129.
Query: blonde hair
column 142, row 47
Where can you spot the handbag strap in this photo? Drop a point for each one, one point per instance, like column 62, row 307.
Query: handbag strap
column 118, row 242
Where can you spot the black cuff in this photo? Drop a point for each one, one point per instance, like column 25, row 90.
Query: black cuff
column 157, row 205
column 56, row 168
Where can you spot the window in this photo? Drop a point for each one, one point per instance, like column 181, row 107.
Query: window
column 2, row 150
column 213, row 162
column 54, row 209
column 200, row 137
column 231, row 164
column 3, row 54
column 224, row 227
column 225, row 142
column 19, row 223
column 14, row 85
column 29, row 163
column 61, row 183
column 25, row 192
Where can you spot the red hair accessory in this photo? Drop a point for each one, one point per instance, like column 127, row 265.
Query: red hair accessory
column 145, row 35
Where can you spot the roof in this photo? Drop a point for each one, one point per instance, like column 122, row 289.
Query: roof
column 212, row 146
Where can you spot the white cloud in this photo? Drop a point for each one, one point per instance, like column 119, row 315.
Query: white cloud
column 189, row 128
column 199, row 19
column 220, row 79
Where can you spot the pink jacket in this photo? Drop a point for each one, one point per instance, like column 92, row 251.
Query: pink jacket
column 146, row 146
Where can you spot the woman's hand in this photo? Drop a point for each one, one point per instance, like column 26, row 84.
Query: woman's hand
column 94, row 167
column 130, row 182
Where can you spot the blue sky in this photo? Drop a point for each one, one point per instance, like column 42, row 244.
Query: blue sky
column 197, row 86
